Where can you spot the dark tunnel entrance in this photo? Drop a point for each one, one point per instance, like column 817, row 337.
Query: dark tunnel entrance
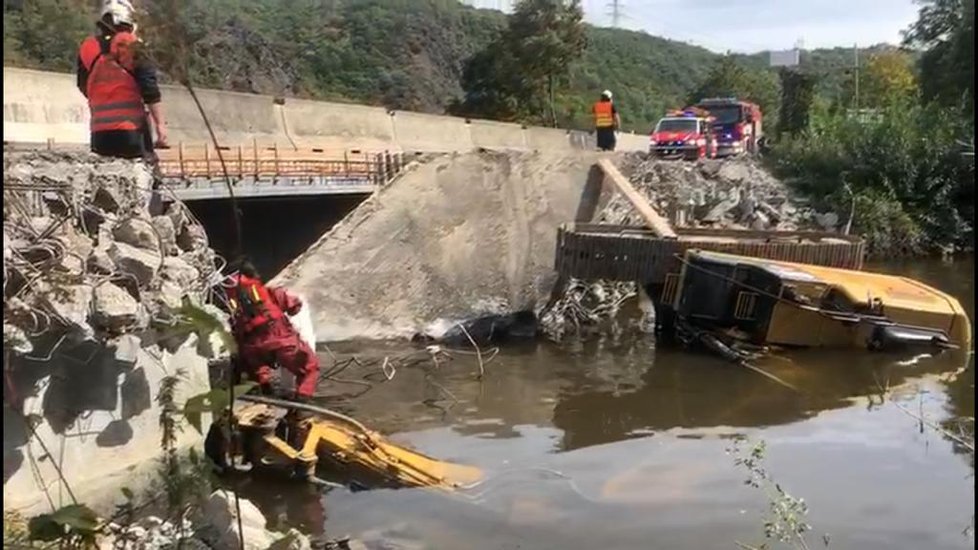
column 274, row 230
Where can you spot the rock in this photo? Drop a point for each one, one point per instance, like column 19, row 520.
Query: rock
column 71, row 305
column 99, row 262
column 107, row 199
column 167, row 234
column 14, row 338
column 138, row 232
column 759, row 221
column 170, row 295
column 126, row 350
column 293, row 540
column 733, row 171
column 192, row 238
column 180, row 272
column 142, row 264
column 115, row 309
column 827, row 221
column 77, row 250
column 220, row 513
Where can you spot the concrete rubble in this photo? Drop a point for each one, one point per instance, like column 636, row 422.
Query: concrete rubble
column 91, row 277
column 82, row 253
column 736, row 193
column 216, row 528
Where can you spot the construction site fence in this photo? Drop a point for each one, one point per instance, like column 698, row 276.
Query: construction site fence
column 623, row 253
column 186, row 162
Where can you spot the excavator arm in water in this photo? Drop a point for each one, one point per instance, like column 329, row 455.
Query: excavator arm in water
column 295, row 438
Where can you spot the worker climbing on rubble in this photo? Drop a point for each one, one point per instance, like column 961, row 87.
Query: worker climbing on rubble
column 606, row 122
column 120, row 85
column 266, row 338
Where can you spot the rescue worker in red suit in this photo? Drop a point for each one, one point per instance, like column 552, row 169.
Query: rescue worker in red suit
column 120, row 85
column 266, row 338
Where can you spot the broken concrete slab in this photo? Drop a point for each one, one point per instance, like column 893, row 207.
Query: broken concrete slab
column 137, row 231
column 142, row 264
column 115, row 310
column 70, row 304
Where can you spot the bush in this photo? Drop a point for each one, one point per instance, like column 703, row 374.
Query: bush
column 913, row 189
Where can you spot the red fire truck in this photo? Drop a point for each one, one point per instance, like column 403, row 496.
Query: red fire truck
column 736, row 125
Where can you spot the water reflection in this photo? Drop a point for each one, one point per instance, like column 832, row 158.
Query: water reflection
column 638, row 434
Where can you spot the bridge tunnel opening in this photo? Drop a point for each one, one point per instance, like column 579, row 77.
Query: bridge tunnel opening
column 274, row 230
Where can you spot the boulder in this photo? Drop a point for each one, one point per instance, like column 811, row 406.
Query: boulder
column 115, row 309
column 71, row 305
column 142, row 264
column 138, row 232
column 180, row 272
column 220, row 511
column 167, row 234
column 99, row 262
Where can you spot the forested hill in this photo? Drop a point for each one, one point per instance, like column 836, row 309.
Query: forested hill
column 405, row 54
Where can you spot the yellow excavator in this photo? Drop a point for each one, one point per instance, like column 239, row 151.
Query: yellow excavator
column 304, row 441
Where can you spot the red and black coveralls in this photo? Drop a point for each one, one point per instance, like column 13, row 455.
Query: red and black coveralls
column 118, row 87
column 266, row 339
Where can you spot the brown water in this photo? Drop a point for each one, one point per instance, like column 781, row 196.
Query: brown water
column 615, row 444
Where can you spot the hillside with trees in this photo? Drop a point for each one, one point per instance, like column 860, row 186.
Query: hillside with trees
column 403, row 54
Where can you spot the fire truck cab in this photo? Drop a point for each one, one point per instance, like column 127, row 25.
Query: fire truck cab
column 686, row 134
column 736, row 124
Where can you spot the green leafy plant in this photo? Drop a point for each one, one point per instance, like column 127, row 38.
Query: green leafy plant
column 787, row 521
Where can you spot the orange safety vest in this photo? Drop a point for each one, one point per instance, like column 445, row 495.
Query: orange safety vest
column 604, row 116
column 114, row 99
column 251, row 304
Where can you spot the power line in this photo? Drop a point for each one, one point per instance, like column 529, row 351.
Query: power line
column 617, row 12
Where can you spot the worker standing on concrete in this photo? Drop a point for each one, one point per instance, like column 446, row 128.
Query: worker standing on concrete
column 266, row 338
column 120, row 85
column 606, row 122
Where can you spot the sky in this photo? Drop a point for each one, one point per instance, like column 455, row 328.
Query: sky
column 753, row 25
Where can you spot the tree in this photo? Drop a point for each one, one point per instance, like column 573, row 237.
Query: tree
column 728, row 78
column 797, row 98
column 517, row 75
column 945, row 30
column 888, row 77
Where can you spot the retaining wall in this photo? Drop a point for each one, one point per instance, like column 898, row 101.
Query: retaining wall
column 39, row 106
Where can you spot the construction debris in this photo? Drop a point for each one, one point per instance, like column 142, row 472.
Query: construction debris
column 83, row 256
column 732, row 193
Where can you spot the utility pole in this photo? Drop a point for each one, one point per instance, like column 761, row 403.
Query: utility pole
column 616, row 12
column 855, row 54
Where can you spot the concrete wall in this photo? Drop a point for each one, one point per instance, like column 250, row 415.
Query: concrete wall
column 38, row 106
column 99, row 419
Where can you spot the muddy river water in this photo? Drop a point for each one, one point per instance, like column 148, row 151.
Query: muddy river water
column 615, row 444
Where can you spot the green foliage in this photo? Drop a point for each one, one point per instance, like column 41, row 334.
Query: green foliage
column 797, row 98
column 787, row 515
column 913, row 189
column 45, row 33
column 730, row 78
column 517, row 75
column 945, row 30
column 888, row 78
column 215, row 402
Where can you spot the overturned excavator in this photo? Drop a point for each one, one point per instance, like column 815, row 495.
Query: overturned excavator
column 302, row 441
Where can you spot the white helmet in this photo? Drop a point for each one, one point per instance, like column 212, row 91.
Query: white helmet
column 606, row 93
column 118, row 12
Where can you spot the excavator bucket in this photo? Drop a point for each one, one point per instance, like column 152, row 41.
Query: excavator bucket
column 319, row 439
